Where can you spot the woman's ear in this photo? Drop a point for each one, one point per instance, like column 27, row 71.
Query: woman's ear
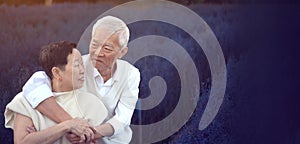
column 123, row 52
column 56, row 73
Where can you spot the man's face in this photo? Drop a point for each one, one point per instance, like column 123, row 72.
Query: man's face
column 104, row 50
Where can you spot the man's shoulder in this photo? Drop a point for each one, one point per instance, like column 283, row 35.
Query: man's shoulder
column 86, row 62
column 123, row 62
column 126, row 65
column 126, row 71
column 85, row 57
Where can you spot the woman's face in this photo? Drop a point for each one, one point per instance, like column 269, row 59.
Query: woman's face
column 73, row 75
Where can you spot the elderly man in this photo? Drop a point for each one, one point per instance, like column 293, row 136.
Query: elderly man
column 112, row 80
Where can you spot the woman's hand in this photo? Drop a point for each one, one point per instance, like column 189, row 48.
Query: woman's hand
column 80, row 128
column 31, row 129
column 74, row 139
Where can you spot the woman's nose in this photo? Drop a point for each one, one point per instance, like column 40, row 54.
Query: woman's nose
column 81, row 69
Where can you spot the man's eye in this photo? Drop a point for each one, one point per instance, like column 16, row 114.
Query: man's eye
column 94, row 45
column 108, row 49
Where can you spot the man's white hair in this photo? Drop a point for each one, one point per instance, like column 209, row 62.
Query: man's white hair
column 113, row 25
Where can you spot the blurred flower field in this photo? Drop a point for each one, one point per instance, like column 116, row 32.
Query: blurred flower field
column 24, row 29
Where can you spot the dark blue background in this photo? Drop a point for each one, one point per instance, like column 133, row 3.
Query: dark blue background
column 261, row 47
column 268, row 101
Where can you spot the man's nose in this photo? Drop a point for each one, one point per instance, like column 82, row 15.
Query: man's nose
column 99, row 52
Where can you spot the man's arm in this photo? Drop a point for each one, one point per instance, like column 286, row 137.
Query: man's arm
column 123, row 111
column 125, row 107
column 50, row 108
column 104, row 130
column 37, row 92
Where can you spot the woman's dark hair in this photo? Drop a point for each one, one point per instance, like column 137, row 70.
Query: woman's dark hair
column 55, row 55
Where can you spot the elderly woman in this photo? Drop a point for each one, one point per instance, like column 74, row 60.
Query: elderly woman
column 62, row 63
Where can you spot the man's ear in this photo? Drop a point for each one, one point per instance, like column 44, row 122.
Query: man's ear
column 123, row 52
column 56, row 73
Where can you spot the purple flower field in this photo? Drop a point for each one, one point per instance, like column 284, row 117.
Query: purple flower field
column 24, row 29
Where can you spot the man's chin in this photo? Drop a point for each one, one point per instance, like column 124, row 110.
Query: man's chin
column 98, row 66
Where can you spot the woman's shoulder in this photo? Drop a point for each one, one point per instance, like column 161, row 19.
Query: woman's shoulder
column 92, row 107
column 86, row 95
column 89, row 99
column 19, row 99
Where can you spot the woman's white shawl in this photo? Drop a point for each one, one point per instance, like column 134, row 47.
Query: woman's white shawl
column 76, row 103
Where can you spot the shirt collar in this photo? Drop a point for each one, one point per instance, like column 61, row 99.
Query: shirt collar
column 113, row 79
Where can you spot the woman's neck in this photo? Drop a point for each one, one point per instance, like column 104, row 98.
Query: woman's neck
column 58, row 86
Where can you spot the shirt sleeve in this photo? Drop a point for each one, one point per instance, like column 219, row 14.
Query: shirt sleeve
column 126, row 105
column 37, row 88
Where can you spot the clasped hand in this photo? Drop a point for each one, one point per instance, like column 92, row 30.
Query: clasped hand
column 79, row 131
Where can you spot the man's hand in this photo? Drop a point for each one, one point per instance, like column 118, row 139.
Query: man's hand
column 80, row 131
column 80, row 128
column 74, row 139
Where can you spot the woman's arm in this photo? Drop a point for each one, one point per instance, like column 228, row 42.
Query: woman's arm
column 45, row 136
